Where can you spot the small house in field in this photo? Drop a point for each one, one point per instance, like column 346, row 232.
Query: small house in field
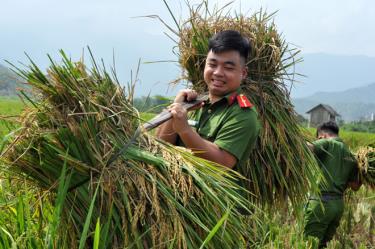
column 320, row 114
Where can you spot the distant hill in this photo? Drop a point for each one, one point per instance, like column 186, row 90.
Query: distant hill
column 352, row 104
column 364, row 94
column 332, row 73
column 9, row 81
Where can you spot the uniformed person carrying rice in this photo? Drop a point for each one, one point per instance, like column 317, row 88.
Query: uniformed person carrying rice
column 323, row 213
column 225, row 127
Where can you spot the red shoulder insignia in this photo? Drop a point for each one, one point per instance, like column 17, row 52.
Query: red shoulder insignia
column 231, row 98
column 243, row 101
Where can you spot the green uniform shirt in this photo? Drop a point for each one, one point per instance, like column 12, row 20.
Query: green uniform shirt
column 338, row 164
column 230, row 127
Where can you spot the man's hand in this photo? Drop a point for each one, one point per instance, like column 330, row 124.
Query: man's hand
column 185, row 95
column 179, row 120
column 355, row 185
column 310, row 145
column 168, row 131
column 191, row 139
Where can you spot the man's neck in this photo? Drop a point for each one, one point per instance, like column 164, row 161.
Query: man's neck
column 215, row 98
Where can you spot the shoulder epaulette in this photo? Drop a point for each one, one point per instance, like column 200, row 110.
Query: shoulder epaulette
column 232, row 98
column 243, row 101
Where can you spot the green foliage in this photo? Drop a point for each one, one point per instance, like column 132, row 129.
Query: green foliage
column 154, row 104
column 9, row 109
column 23, row 217
column 10, row 106
column 360, row 126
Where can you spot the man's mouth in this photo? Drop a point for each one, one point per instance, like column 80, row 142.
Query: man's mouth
column 218, row 83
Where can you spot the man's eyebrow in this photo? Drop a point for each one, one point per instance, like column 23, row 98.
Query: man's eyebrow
column 212, row 60
column 231, row 63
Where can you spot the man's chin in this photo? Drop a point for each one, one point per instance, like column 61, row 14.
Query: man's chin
column 218, row 93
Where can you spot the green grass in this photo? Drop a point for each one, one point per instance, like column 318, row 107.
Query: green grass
column 147, row 115
column 355, row 139
column 9, row 107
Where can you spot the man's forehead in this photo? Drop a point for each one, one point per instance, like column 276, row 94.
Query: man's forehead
column 231, row 56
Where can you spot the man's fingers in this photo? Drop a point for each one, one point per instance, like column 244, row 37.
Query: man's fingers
column 174, row 108
column 185, row 95
column 177, row 110
column 173, row 105
column 191, row 95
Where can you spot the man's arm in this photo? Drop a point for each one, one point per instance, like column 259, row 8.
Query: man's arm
column 166, row 131
column 191, row 139
column 206, row 149
column 355, row 185
column 203, row 148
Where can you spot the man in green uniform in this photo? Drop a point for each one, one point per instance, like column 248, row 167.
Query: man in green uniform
column 226, row 127
column 339, row 167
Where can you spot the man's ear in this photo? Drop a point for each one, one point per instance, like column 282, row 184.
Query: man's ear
column 322, row 135
column 244, row 72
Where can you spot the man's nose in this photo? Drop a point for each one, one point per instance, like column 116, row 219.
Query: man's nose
column 219, row 71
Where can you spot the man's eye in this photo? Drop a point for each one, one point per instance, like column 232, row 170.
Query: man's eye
column 229, row 68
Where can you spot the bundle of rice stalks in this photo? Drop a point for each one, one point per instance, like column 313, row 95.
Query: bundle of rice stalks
column 152, row 196
column 281, row 165
column 366, row 164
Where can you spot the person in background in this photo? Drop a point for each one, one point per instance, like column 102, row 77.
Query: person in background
column 323, row 213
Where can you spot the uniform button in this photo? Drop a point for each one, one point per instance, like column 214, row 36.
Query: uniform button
column 209, row 111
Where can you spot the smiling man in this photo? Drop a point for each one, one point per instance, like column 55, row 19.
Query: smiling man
column 226, row 126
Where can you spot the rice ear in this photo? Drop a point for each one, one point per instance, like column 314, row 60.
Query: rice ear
column 366, row 164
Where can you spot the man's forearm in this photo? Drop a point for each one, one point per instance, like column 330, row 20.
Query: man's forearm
column 206, row 149
column 166, row 132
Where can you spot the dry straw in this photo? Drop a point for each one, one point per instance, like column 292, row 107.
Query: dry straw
column 281, row 164
column 153, row 196
column 366, row 164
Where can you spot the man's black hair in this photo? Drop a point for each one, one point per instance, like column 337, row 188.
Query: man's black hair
column 228, row 40
column 329, row 127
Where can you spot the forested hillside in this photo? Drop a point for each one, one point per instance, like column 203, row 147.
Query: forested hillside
column 9, row 82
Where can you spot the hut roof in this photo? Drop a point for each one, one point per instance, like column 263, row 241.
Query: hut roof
column 326, row 107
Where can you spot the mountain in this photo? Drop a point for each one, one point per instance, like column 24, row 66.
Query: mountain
column 352, row 104
column 364, row 94
column 9, row 81
column 332, row 73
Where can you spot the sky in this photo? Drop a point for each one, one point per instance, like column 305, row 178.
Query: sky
column 112, row 31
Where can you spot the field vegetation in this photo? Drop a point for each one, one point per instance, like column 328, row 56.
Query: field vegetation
column 9, row 108
column 362, row 126
column 29, row 218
